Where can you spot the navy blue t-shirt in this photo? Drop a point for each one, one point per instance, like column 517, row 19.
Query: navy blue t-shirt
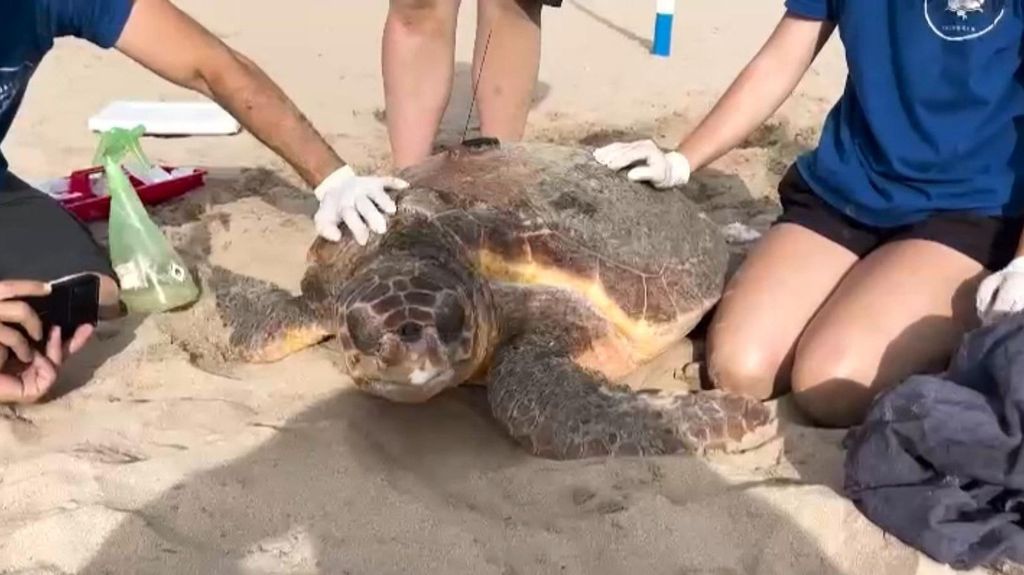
column 27, row 31
column 932, row 116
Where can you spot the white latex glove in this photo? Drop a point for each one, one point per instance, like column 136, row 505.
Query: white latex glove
column 1001, row 293
column 662, row 170
column 355, row 200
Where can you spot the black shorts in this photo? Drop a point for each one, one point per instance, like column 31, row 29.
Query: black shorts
column 40, row 240
column 991, row 241
column 553, row 3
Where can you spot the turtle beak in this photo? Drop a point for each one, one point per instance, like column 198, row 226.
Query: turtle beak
column 412, row 358
column 392, row 351
column 410, row 370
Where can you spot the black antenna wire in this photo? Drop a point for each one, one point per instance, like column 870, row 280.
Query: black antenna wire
column 472, row 102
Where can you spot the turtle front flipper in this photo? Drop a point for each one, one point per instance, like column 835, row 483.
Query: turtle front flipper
column 559, row 410
column 245, row 319
column 267, row 323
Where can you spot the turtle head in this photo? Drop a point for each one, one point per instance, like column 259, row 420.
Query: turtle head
column 416, row 327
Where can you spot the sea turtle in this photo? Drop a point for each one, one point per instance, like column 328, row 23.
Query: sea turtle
column 531, row 269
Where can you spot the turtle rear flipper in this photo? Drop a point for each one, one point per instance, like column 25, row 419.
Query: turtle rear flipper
column 559, row 410
column 246, row 320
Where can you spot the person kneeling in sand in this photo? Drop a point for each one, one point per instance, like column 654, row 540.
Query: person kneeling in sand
column 40, row 241
column 893, row 225
column 418, row 60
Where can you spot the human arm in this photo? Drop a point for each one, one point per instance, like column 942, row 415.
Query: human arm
column 170, row 43
column 757, row 92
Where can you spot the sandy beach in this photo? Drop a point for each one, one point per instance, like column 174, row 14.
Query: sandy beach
column 144, row 463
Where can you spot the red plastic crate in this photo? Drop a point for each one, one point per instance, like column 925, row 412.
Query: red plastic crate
column 89, row 207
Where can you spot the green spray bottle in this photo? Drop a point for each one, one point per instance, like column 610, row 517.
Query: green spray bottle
column 152, row 275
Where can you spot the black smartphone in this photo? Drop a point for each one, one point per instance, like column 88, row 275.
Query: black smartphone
column 73, row 301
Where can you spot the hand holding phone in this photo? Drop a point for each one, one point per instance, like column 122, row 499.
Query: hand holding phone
column 30, row 354
column 33, row 309
column 73, row 301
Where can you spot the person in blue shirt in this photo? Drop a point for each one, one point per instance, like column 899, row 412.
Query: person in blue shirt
column 900, row 230
column 41, row 242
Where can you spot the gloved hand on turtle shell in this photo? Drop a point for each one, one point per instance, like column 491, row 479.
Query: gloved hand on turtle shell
column 356, row 200
column 661, row 169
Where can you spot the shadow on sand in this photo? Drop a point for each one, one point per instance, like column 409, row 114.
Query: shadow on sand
column 644, row 43
column 357, row 485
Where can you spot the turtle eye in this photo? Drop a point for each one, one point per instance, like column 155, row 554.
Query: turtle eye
column 449, row 318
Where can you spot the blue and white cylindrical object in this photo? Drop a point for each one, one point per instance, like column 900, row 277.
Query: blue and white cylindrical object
column 666, row 10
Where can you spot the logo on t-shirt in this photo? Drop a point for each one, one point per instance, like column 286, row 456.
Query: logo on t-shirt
column 958, row 20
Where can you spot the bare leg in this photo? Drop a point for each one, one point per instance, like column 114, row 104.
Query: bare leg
column 900, row 311
column 766, row 306
column 510, row 69
column 418, row 64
